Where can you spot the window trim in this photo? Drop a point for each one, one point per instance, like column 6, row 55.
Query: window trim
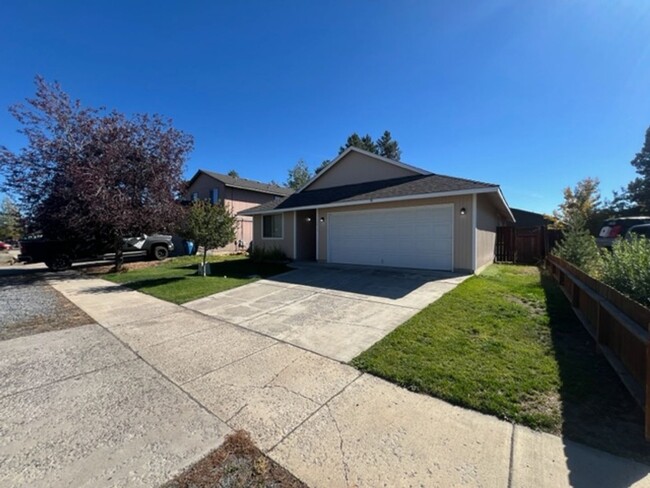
column 281, row 215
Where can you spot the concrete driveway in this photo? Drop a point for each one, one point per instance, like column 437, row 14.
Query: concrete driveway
column 338, row 312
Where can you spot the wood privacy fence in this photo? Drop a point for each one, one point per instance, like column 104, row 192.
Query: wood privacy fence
column 526, row 245
column 619, row 325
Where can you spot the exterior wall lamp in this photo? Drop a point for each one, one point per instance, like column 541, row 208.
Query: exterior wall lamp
column 322, row 219
column 463, row 211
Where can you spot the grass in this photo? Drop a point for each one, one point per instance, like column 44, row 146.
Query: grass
column 176, row 280
column 507, row 343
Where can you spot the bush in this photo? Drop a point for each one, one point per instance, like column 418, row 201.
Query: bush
column 580, row 249
column 265, row 255
column 627, row 268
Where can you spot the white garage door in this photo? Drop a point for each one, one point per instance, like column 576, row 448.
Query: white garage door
column 413, row 237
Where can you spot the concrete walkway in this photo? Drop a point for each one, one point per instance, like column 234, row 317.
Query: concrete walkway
column 328, row 424
column 309, row 307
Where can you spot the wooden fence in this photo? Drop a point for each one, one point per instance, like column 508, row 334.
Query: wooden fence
column 620, row 326
column 526, row 245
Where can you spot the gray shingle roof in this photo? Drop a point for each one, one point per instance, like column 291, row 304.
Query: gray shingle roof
column 392, row 188
column 248, row 184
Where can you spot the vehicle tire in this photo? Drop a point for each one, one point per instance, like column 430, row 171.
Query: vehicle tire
column 60, row 262
column 160, row 252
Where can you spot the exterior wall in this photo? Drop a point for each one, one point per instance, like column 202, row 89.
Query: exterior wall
column 462, row 225
column 487, row 220
column 358, row 168
column 286, row 244
column 237, row 200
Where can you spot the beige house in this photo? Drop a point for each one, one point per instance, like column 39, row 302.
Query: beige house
column 237, row 194
column 368, row 210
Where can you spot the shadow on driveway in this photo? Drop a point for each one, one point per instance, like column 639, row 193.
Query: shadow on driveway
column 390, row 283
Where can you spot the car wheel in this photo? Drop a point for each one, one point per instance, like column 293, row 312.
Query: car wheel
column 60, row 262
column 160, row 252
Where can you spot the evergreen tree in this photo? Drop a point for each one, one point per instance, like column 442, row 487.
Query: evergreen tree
column 298, row 175
column 638, row 191
column 388, row 148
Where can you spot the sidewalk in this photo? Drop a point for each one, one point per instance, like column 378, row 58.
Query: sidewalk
column 329, row 424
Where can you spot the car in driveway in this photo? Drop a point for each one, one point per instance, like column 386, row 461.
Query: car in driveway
column 59, row 255
column 618, row 227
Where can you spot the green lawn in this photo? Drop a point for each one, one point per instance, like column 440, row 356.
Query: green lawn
column 176, row 280
column 507, row 343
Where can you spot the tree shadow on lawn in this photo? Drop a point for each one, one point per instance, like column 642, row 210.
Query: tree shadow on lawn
column 596, row 408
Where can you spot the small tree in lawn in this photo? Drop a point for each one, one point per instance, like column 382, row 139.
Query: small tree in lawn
column 210, row 226
column 91, row 176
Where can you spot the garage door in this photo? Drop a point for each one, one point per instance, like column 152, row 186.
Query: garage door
column 412, row 237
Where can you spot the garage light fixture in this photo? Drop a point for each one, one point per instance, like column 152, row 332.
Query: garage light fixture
column 308, row 219
column 322, row 219
column 463, row 211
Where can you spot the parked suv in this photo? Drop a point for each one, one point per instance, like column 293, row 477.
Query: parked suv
column 619, row 227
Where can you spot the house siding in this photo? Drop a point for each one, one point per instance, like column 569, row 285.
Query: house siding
column 462, row 225
column 487, row 220
column 236, row 199
column 285, row 244
column 358, row 168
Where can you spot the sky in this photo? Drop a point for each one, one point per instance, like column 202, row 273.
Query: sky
column 533, row 96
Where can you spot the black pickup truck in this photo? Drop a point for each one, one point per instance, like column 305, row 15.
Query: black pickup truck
column 59, row 255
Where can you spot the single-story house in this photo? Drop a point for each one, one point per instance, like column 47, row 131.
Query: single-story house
column 369, row 210
column 237, row 194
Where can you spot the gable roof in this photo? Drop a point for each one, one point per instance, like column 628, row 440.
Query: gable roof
column 366, row 153
column 243, row 183
column 407, row 187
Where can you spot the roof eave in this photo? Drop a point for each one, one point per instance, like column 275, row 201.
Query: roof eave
column 419, row 196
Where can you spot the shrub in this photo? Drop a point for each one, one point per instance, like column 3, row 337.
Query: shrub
column 627, row 268
column 580, row 249
column 263, row 254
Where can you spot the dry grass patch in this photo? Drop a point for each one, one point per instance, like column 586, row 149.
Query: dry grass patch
column 237, row 463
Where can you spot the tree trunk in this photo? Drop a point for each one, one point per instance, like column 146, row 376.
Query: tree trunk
column 205, row 258
column 119, row 254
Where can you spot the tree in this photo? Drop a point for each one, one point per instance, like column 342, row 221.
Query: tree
column 10, row 220
column 366, row 143
column 638, row 191
column 299, row 175
column 581, row 205
column 92, row 176
column 322, row 166
column 388, row 148
column 233, row 174
column 210, row 226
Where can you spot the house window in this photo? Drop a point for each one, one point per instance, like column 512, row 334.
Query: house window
column 214, row 196
column 272, row 226
column 195, row 196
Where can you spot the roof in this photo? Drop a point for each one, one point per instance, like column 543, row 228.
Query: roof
column 395, row 188
column 245, row 184
column 526, row 218
column 367, row 153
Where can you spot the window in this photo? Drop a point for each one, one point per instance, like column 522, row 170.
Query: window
column 272, row 226
column 214, row 196
column 195, row 196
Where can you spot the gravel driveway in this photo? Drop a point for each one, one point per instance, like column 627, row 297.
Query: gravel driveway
column 30, row 306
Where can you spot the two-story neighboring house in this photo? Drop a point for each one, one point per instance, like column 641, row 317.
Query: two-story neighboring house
column 238, row 194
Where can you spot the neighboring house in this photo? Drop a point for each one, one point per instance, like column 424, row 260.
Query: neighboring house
column 237, row 194
column 369, row 210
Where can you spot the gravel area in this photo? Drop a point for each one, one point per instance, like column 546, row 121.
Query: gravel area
column 28, row 305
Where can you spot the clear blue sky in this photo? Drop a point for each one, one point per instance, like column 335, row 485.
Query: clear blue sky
column 531, row 95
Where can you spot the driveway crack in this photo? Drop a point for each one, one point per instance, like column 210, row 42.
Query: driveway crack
column 346, row 468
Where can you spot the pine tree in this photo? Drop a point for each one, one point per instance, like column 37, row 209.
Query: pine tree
column 388, row 148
